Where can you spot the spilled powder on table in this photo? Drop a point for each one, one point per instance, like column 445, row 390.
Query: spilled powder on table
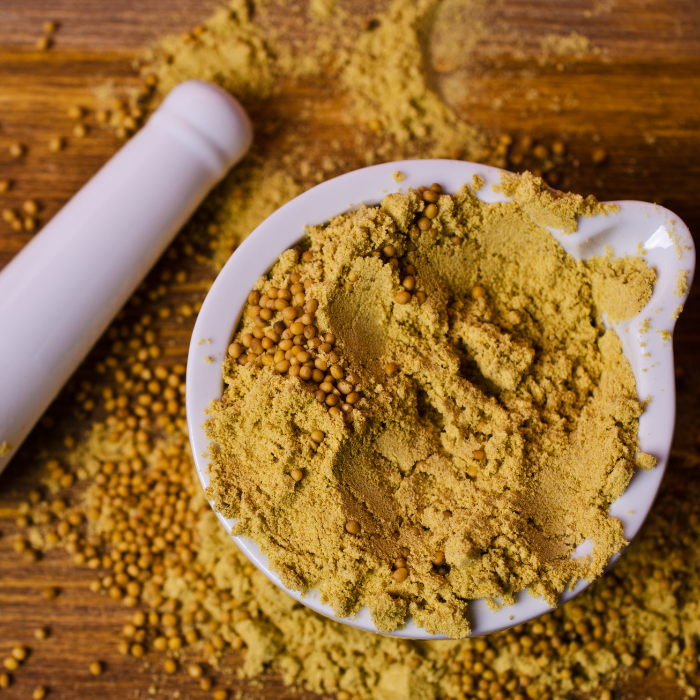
column 558, row 45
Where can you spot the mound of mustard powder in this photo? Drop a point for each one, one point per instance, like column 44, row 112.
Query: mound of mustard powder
column 423, row 406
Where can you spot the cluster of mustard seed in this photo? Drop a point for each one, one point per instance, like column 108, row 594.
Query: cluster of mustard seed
column 20, row 221
column 284, row 336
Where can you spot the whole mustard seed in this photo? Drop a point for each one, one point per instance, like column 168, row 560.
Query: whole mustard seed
column 170, row 666
column 10, row 663
column 391, row 369
column 39, row 693
column 50, row 592
column 431, row 211
column 30, row 207
column 5, row 680
column 600, row 155
column 96, row 668
column 400, row 575
column 19, row 652
column 353, row 527
column 194, row 671
column 438, row 558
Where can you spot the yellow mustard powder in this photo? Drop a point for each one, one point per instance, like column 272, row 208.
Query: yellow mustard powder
column 431, row 414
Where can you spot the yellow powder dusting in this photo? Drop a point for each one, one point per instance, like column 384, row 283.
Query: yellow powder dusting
column 229, row 52
column 398, row 177
column 573, row 44
column 390, row 88
column 621, row 287
column 555, row 209
column 477, row 182
column 473, row 450
column 681, row 283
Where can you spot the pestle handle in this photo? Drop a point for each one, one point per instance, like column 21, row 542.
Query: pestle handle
column 59, row 294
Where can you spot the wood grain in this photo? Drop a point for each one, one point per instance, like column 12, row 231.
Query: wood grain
column 636, row 94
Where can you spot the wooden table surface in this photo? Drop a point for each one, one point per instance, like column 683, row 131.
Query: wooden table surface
column 635, row 93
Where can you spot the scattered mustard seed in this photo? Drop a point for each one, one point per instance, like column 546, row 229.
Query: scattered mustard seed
column 438, row 558
column 194, row 670
column 50, row 592
column 600, row 155
column 96, row 668
column 20, row 653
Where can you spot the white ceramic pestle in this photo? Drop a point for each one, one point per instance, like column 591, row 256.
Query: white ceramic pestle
column 60, row 292
column 637, row 228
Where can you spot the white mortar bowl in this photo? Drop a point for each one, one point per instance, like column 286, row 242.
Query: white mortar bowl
column 668, row 246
